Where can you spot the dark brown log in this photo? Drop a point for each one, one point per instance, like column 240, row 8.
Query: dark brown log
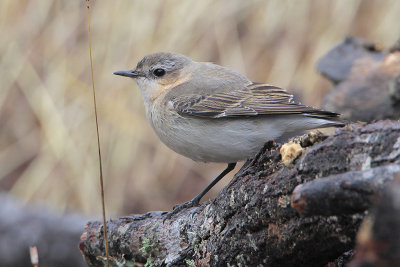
column 338, row 62
column 251, row 222
column 345, row 193
column 378, row 241
column 342, row 260
column 367, row 80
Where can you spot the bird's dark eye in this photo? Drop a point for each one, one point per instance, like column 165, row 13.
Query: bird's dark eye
column 159, row 72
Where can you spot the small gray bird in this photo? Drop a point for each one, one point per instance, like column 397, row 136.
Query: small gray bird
column 210, row 113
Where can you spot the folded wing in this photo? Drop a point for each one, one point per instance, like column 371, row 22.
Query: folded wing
column 254, row 100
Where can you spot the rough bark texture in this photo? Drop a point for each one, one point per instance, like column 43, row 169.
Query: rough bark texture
column 252, row 223
column 347, row 193
column 378, row 241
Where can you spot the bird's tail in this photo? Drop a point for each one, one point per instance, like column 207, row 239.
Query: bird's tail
column 331, row 119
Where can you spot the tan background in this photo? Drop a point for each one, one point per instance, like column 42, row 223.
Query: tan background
column 47, row 131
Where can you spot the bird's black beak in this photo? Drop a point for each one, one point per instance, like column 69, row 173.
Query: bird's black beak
column 128, row 73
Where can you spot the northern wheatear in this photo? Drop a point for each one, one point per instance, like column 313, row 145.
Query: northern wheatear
column 210, row 113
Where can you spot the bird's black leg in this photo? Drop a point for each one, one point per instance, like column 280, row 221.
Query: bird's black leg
column 196, row 200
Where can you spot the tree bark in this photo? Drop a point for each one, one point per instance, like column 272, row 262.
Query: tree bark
column 252, row 222
column 378, row 241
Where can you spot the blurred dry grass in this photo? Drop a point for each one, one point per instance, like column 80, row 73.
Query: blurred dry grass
column 47, row 134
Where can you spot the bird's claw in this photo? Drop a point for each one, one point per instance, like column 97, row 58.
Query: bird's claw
column 179, row 207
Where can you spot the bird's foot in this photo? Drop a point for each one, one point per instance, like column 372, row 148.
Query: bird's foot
column 138, row 217
column 179, row 207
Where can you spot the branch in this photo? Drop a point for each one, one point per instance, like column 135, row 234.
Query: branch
column 346, row 193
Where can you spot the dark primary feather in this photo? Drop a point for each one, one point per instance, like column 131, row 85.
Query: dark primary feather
column 254, row 100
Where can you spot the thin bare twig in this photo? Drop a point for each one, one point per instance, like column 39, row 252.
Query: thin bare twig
column 98, row 142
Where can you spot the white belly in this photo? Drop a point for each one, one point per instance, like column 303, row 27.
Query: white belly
column 215, row 141
column 224, row 140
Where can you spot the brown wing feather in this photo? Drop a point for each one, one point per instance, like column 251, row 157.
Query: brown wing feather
column 254, row 100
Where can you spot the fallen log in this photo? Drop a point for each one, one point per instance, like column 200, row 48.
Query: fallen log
column 256, row 220
column 366, row 79
column 378, row 241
